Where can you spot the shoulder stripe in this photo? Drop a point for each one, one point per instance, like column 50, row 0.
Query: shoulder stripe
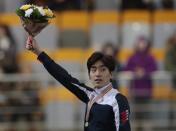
column 87, row 90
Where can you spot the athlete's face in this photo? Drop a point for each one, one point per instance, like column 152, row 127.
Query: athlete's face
column 99, row 75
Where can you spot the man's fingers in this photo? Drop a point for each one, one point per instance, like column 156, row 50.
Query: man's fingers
column 29, row 43
column 29, row 47
column 30, row 39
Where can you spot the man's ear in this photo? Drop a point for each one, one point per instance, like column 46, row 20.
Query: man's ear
column 89, row 75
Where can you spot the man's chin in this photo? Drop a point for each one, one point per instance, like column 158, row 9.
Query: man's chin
column 98, row 85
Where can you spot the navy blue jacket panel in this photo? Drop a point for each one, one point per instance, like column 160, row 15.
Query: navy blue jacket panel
column 101, row 118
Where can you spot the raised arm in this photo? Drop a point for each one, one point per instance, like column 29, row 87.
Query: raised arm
column 59, row 73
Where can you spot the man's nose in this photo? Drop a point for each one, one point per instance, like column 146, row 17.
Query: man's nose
column 98, row 73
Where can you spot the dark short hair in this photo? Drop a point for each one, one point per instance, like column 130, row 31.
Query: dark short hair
column 107, row 60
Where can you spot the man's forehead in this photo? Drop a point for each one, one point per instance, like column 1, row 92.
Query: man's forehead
column 98, row 64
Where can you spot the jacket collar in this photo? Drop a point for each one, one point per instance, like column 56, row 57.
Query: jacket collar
column 99, row 90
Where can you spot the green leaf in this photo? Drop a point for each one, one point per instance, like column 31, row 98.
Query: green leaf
column 20, row 12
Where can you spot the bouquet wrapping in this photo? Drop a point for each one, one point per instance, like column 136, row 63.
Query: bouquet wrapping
column 34, row 18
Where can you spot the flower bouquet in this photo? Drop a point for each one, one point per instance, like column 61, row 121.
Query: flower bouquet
column 34, row 18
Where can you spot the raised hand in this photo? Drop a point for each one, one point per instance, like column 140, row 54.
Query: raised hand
column 32, row 46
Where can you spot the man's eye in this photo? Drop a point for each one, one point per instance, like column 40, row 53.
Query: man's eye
column 103, row 69
column 93, row 70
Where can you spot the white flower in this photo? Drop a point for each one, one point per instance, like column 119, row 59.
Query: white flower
column 28, row 12
column 41, row 10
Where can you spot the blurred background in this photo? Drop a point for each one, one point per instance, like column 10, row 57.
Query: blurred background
column 139, row 34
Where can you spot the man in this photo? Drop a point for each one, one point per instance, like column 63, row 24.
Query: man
column 107, row 109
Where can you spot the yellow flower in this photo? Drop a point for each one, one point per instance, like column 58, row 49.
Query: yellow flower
column 25, row 7
column 48, row 13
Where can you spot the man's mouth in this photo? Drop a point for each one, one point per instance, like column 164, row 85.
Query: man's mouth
column 98, row 80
